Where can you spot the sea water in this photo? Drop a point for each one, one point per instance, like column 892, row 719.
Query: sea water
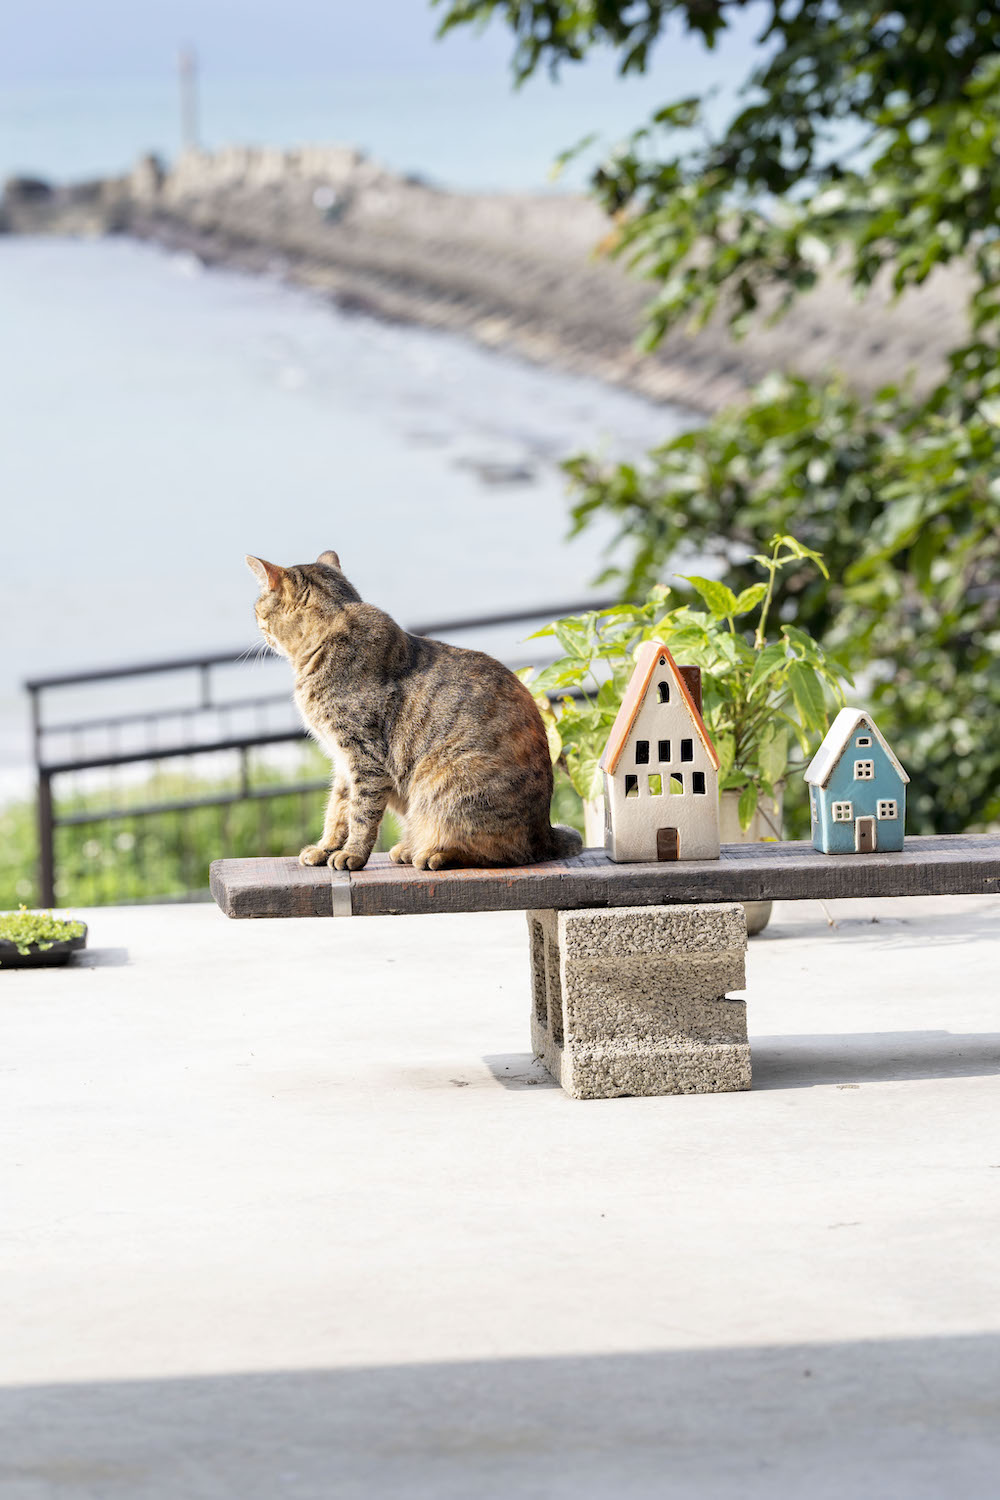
column 158, row 421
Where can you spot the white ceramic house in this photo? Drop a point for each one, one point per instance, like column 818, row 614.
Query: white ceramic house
column 661, row 772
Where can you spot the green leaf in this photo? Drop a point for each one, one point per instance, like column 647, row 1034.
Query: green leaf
column 689, row 638
column 559, row 675
column 801, row 736
column 773, row 756
column 724, row 748
column 749, row 598
column 769, row 661
column 587, row 776
column 807, row 647
column 796, row 549
column 807, row 695
column 747, row 805
column 571, row 637
column 721, row 600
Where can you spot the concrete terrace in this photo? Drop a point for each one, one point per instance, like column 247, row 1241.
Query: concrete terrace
column 287, row 1210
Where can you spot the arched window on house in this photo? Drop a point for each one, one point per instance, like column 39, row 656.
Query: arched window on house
column 663, row 691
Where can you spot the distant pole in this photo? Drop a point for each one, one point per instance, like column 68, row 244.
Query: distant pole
column 187, row 72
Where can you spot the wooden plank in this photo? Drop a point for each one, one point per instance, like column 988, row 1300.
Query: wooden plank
column 274, row 888
column 946, row 865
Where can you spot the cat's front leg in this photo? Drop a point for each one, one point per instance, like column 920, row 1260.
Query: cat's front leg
column 335, row 826
column 369, row 796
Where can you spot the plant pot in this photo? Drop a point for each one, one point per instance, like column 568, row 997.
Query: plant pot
column 38, row 958
column 764, row 828
column 593, row 823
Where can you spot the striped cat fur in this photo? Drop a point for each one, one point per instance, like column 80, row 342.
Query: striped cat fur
column 447, row 739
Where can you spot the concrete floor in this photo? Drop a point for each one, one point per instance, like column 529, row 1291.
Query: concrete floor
column 286, row 1210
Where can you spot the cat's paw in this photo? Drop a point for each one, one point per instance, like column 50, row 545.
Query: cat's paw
column 400, row 855
column 314, row 854
column 436, row 859
column 345, row 859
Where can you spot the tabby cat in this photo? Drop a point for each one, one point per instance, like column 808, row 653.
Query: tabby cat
column 448, row 739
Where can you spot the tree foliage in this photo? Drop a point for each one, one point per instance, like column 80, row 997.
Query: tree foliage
column 863, row 129
column 867, row 143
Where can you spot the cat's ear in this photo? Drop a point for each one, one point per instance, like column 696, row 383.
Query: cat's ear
column 330, row 558
column 268, row 575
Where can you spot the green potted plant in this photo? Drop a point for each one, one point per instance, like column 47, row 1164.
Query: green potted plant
column 33, row 938
column 761, row 696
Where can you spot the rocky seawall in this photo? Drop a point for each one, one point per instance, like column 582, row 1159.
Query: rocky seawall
column 515, row 271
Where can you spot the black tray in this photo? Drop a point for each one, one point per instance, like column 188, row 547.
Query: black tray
column 36, row 958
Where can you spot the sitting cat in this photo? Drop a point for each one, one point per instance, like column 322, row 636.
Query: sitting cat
column 446, row 738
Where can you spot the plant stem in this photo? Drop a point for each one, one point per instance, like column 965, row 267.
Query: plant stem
column 760, row 636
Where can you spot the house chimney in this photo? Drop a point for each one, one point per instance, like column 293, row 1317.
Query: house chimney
column 692, row 681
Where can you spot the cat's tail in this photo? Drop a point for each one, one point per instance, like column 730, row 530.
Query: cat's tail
column 565, row 841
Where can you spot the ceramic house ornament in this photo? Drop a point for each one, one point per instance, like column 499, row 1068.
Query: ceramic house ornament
column 661, row 772
column 857, row 789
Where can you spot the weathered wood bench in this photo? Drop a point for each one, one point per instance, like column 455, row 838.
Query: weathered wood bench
column 631, row 964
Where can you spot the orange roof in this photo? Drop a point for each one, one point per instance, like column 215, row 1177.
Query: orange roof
column 646, row 659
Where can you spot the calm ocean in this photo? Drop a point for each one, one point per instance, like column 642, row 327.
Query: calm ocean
column 159, row 421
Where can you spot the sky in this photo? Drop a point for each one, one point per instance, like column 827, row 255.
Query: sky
column 85, row 87
column 63, row 39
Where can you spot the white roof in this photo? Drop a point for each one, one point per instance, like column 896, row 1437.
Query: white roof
column 820, row 768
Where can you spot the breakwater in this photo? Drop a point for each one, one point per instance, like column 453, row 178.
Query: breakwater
column 521, row 272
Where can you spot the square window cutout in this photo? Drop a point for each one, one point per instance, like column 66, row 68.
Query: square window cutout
column 843, row 812
column 864, row 770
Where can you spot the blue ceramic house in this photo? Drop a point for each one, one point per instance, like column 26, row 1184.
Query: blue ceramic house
column 857, row 789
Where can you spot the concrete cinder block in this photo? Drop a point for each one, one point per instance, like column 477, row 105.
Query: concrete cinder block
column 632, row 1000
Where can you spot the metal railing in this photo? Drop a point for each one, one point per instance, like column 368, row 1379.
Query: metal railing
column 79, row 748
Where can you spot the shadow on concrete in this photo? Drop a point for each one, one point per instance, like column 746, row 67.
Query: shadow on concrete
column 100, row 958
column 869, row 923
column 801, row 1062
column 917, row 1419
column 519, row 1070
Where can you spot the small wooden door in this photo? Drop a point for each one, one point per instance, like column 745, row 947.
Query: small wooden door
column 667, row 843
column 864, row 835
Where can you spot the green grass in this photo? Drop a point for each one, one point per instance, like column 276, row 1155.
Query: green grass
column 18, row 854
column 165, row 856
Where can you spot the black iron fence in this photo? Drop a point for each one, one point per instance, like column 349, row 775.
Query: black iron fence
column 153, row 769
